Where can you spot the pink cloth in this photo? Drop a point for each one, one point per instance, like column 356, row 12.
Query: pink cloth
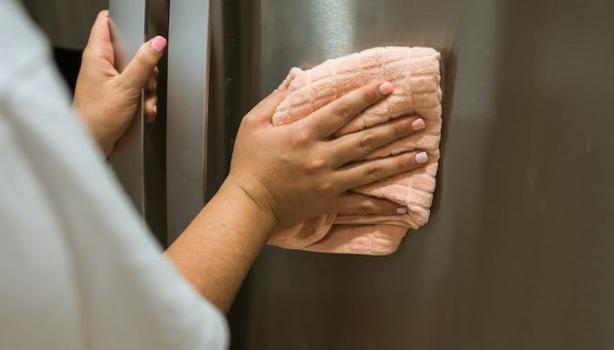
column 415, row 72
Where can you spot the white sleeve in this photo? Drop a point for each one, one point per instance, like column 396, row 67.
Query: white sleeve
column 78, row 268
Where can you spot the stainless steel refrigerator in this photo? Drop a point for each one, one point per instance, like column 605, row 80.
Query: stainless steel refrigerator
column 519, row 251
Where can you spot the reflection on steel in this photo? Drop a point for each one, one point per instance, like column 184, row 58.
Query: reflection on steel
column 186, row 125
column 518, row 251
column 333, row 21
column 128, row 24
column 517, row 254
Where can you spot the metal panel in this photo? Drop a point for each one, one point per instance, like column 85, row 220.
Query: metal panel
column 67, row 23
column 188, row 85
column 518, row 251
column 129, row 23
column 139, row 157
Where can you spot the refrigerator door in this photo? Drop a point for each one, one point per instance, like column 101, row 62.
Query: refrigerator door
column 163, row 165
column 186, row 125
column 139, row 156
column 128, row 20
column 66, row 23
column 518, row 252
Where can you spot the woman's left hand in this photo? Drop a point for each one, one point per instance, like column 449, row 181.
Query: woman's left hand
column 106, row 99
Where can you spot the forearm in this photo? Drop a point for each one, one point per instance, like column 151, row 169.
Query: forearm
column 217, row 249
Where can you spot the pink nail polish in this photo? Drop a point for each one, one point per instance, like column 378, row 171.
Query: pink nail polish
column 421, row 158
column 159, row 43
column 418, row 124
column 402, row 211
column 386, row 88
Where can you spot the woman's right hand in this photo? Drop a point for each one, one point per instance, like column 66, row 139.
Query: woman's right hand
column 298, row 171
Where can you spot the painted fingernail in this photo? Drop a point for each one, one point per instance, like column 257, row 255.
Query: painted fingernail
column 421, row 157
column 386, row 88
column 418, row 124
column 159, row 43
column 402, row 210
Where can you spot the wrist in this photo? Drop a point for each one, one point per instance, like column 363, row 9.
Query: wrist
column 244, row 204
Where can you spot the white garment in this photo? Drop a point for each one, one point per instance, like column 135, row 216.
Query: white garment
column 78, row 269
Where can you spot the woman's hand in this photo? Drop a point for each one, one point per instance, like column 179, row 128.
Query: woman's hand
column 283, row 175
column 298, row 171
column 106, row 99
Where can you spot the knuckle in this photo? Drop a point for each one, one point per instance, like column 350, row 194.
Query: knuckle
column 315, row 165
column 248, row 121
column 400, row 129
column 142, row 63
column 374, row 172
column 370, row 95
column 342, row 111
column 302, row 137
column 368, row 141
column 152, row 84
column 327, row 188
column 145, row 60
column 151, row 60
column 148, row 54
column 404, row 162
column 367, row 207
column 247, row 118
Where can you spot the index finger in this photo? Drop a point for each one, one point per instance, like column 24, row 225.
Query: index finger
column 332, row 117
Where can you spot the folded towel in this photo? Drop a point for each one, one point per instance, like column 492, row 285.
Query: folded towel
column 415, row 72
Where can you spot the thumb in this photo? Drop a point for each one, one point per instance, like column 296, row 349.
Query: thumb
column 137, row 72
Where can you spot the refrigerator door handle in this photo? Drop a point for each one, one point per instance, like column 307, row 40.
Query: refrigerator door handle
column 187, row 112
column 128, row 24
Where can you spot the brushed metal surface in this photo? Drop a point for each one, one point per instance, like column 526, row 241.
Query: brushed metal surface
column 128, row 22
column 139, row 157
column 186, row 126
column 518, row 252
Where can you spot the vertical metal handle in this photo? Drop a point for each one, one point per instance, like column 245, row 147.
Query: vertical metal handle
column 128, row 21
column 186, row 126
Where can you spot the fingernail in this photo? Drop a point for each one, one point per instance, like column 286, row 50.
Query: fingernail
column 418, row 124
column 386, row 88
column 421, row 157
column 159, row 43
column 155, row 109
column 402, row 210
